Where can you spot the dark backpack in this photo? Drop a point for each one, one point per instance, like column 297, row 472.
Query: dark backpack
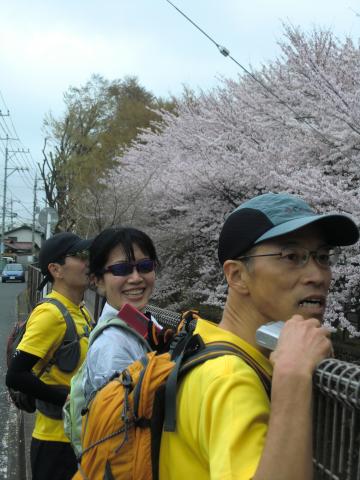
column 66, row 358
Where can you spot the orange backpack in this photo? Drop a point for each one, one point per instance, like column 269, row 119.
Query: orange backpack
column 122, row 429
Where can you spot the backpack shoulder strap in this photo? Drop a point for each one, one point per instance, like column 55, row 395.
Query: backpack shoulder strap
column 198, row 356
column 217, row 349
column 115, row 322
column 71, row 332
column 65, row 359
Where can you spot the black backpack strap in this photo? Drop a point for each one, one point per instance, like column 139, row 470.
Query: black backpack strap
column 190, row 344
column 71, row 332
column 67, row 355
column 197, row 357
column 217, row 349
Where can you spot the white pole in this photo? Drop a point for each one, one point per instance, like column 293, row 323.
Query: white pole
column 47, row 235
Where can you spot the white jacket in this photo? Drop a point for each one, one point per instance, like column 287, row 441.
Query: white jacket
column 113, row 351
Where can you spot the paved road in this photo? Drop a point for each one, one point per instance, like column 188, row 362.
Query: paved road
column 8, row 419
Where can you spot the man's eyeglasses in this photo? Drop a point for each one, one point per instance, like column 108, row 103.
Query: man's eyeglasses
column 126, row 268
column 299, row 257
column 84, row 255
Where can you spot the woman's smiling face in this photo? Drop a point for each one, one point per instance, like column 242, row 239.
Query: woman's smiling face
column 135, row 288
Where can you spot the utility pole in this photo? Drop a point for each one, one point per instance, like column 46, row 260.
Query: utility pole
column 11, row 214
column 6, row 175
column 2, row 244
column 33, row 220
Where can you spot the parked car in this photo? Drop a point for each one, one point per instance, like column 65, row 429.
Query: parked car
column 13, row 272
column 5, row 260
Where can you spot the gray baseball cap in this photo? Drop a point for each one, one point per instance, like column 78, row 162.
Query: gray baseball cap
column 274, row 214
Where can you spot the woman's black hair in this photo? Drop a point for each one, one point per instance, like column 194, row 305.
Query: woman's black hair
column 127, row 237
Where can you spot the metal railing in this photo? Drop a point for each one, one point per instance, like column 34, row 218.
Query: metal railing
column 336, row 403
column 33, row 281
column 337, row 421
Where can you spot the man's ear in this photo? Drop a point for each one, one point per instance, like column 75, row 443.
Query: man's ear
column 236, row 275
column 55, row 270
column 100, row 285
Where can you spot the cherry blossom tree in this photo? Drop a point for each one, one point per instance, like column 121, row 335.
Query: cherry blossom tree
column 291, row 126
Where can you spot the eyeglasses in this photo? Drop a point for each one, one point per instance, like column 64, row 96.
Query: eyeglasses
column 126, row 268
column 299, row 257
column 83, row 255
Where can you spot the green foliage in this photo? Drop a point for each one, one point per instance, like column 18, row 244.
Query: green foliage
column 101, row 120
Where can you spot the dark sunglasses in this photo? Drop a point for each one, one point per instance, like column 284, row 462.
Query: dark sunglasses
column 126, row 268
column 84, row 255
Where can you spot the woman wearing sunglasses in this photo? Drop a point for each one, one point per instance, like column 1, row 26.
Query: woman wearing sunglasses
column 123, row 262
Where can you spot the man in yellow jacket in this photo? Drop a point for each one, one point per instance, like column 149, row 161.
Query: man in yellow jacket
column 63, row 261
column 276, row 254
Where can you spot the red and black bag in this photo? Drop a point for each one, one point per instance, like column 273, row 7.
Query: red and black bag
column 66, row 358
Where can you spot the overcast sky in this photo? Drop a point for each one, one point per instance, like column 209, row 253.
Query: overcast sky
column 48, row 45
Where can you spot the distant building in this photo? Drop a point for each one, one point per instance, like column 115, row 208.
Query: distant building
column 18, row 243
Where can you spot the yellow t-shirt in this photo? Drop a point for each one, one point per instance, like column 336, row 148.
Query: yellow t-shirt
column 222, row 417
column 44, row 334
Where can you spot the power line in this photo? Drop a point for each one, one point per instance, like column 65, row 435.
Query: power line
column 7, row 172
column 12, row 132
column 20, row 166
column 226, row 53
column 20, row 158
column 24, row 154
column 21, row 161
column 21, row 203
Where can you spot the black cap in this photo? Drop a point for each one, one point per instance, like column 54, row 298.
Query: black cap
column 56, row 248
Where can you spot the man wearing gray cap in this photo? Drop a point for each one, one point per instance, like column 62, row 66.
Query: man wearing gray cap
column 42, row 365
column 277, row 255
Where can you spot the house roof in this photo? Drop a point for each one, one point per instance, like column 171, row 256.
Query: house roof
column 19, row 246
column 23, row 227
